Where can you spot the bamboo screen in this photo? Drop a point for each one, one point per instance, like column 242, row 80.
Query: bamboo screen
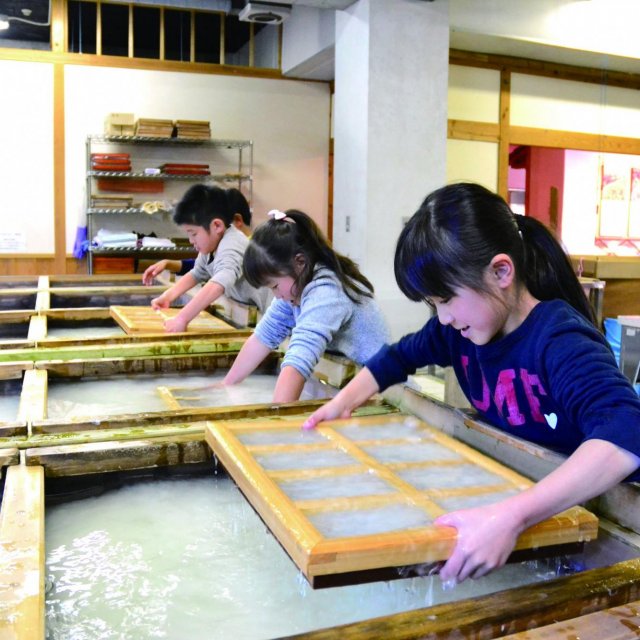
column 358, row 495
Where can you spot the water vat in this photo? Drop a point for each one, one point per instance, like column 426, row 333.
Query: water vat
column 188, row 558
column 70, row 399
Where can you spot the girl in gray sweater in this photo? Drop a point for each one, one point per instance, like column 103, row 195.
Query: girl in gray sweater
column 322, row 302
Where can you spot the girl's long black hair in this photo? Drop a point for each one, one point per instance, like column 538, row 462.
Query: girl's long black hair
column 458, row 229
column 278, row 246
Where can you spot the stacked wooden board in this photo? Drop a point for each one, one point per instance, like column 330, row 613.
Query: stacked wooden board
column 193, row 129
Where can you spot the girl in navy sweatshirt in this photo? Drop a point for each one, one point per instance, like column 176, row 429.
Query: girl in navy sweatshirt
column 514, row 323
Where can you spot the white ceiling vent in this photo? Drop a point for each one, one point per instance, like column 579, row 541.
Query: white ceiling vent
column 265, row 12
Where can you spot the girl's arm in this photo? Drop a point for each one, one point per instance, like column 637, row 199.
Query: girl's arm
column 253, row 352
column 487, row 535
column 359, row 390
column 182, row 286
column 289, row 385
column 206, row 296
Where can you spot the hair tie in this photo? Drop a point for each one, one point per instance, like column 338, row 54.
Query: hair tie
column 276, row 214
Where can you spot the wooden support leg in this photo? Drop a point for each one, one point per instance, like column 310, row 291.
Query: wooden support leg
column 22, row 554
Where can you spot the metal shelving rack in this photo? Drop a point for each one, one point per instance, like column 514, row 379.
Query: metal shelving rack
column 242, row 178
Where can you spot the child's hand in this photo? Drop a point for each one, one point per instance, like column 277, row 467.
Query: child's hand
column 161, row 302
column 153, row 271
column 486, row 537
column 175, row 325
column 330, row 411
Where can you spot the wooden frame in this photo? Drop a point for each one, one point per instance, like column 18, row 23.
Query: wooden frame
column 145, row 320
column 307, row 528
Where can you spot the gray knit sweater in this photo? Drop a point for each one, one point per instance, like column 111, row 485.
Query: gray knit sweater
column 224, row 267
column 325, row 319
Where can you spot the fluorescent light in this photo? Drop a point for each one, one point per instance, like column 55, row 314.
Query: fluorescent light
column 4, row 22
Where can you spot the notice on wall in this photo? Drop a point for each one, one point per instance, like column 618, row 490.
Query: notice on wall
column 614, row 203
column 12, row 242
column 634, row 204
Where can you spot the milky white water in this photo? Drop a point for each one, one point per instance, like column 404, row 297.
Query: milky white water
column 84, row 331
column 188, row 559
column 9, row 400
column 72, row 398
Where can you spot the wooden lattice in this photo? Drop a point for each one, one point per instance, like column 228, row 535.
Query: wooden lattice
column 358, row 495
column 147, row 320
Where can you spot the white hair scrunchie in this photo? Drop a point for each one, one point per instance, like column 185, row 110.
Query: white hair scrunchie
column 276, row 214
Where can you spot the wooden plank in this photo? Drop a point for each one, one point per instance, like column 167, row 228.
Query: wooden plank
column 22, row 559
column 618, row 623
column 37, row 328
column 372, row 443
column 167, row 395
column 556, row 139
column 527, row 66
column 135, row 290
column 137, row 446
column 148, row 348
column 15, row 317
column 13, row 370
column 140, row 320
column 209, row 362
column 199, row 414
column 120, row 455
column 497, row 614
column 51, row 343
column 93, row 280
column 81, row 314
column 43, row 299
column 237, row 313
column 9, row 457
column 13, row 429
column 33, row 399
column 335, row 370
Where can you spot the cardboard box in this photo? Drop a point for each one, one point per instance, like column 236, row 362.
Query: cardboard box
column 121, row 119
column 119, row 124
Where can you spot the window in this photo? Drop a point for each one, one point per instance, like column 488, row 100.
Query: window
column 146, row 32
column 163, row 33
column 177, row 35
column 207, row 30
column 81, row 28
column 115, row 29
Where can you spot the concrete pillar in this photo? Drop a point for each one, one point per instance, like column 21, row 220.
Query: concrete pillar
column 390, row 131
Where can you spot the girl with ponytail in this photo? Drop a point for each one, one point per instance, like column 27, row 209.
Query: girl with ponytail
column 322, row 302
column 513, row 321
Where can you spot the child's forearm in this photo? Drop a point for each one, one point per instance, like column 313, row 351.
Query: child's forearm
column 487, row 535
column 594, row 467
column 360, row 389
column 253, row 352
column 289, row 385
column 179, row 288
column 205, row 297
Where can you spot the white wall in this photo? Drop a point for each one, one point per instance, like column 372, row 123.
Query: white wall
column 288, row 122
column 26, row 157
column 474, row 94
column 473, row 161
column 548, row 103
column 600, row 26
